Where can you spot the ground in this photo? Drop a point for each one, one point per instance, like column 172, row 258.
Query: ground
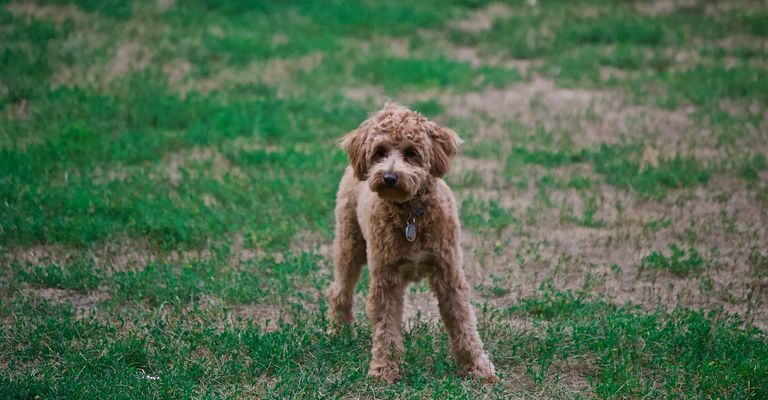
column 168, row 172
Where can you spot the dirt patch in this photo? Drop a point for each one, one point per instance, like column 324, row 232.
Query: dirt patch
column 420, row 306
column 115, row 254
column 56, row 13
column 475, row 59
column 164, row 5
column 275, row 72
column 177, row 72
column 129, row 57
column 18, row 111
column 83, row 302
column 489, row 170
column 483, row 19
column 40, row 254
column 723, row 222
column 663, row 7
column 368, row 94
column 198, row 161
column 314, row 242
column 528, row 102
column 589, row 117
column 117, row 172
column 265, row 316
column 550, row 244
column 72, row 76
column 515, row 100
column 278, row 71
column 717, row 8
column 564, row 380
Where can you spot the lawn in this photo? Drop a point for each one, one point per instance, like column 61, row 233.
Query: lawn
column 168, row 172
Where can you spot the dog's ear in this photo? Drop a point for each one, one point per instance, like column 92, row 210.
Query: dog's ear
column 354, row 144
column 445, row 143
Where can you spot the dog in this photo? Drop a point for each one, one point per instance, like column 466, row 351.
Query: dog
column 395, row 213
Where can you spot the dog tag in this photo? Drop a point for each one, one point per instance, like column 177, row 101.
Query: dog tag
column 410, row 230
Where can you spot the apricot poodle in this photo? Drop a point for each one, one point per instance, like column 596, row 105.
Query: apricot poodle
column 395, row 213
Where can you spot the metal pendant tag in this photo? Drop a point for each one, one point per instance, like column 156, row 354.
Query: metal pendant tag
column 410, row 230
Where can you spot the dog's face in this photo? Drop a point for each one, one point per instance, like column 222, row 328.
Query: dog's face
column 397, row 150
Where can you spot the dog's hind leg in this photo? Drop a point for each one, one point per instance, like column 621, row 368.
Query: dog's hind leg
column 349, row 255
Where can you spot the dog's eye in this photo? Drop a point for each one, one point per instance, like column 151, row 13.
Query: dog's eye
column 411, row 153
column 381, row 152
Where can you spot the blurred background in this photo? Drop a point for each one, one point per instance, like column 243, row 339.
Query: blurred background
column 168, row 172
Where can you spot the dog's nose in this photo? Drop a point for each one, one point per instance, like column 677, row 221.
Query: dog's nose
column 390, row 178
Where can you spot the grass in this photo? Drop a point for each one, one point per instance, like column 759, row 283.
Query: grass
column 168, row 172
column 574, row 46
column 684, row 351
column 78, row 276
column 615, row 162
column 417, row 73
column 621, row 166
column 479, row 214
column 751, row 166
column 679, row 262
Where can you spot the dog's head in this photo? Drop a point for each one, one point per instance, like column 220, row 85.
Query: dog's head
column 397, row 150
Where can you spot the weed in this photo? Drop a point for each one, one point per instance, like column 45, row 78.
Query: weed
column 751, row 167
column 657, row 225
column 478, row 214
column 588, row 218
column 678, row 262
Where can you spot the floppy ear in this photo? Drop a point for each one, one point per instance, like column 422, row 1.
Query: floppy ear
column 354, row 144
column 445, row 143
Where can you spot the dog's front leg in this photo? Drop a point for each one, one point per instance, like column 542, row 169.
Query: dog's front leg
column 452, row 291
column 385, row 309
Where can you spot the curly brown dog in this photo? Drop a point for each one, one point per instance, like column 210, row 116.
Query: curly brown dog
column 394, row 212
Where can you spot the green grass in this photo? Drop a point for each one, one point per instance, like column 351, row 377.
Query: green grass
column 616, row 163
column 79, row 276
column 39, row 208
column 480, row 214
column 684, row 352
column 574, row 46
column 620, row 165
column 167, row 181
column 679, row 261
column 416, row 73
column 751, row 167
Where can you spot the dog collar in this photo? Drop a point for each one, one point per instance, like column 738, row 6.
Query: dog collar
column 414, row 212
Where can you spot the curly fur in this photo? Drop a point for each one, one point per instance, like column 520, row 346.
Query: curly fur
column 371, row 217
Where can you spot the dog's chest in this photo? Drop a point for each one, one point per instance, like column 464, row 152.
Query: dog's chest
column 390, row 248
column 414, row 266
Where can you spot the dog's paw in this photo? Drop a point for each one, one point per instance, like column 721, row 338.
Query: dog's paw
column 338, row 322
column 482, row 368
column 332, row 330
column 338, row 327
column 387, row 372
